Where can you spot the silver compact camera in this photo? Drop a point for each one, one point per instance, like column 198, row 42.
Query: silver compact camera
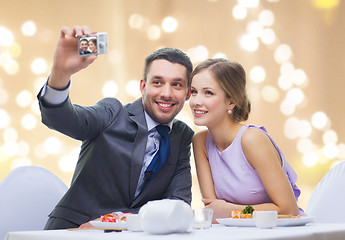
column 93, row 44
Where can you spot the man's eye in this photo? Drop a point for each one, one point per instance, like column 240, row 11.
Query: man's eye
column 177, row 84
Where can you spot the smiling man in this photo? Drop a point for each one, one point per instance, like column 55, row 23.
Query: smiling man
column 120, row 141
column 84, row 45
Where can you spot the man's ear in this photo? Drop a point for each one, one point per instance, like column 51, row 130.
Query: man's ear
column 142, row 86
column 188, row 94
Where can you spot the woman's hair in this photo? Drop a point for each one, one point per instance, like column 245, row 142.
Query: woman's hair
column 232, row 78
column 94, row 40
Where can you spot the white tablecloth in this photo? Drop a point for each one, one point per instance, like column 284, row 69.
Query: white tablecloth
column 310, row 231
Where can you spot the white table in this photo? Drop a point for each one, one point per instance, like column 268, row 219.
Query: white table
column 310, row 231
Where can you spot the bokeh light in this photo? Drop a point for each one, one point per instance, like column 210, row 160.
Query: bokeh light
column 268, row 36
column 283, row 53
column 319, row 120
column 270, row 94
column 249, row 3
column 5, row 118
column 133, row 88
column 266, row 18
column 310, row 159
column 29, row 28
column 29, row 121
column 239, row 12
column 110, row 89
column 68, row 162
column 153, row 32
column 24, row 98
column 10, row 134
column 3, row 96
column 7, row 38
column 330, row 136
column 198, row 54
column 255, row 28
column 136, row 21
column 169, row 24
column 257, row 74
column 39, row 66
column 52, row 145
column 249, row 43
column 11, row 67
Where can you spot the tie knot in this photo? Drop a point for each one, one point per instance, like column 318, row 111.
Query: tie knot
column 163, row 130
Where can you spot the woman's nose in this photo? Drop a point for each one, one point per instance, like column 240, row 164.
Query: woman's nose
column 195, row 100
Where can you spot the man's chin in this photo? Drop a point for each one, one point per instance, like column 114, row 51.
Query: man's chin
column 164, row 119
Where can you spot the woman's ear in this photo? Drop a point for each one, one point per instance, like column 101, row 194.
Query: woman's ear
column 232, row 104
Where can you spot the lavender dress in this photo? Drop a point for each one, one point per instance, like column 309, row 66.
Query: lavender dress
column 235, row 180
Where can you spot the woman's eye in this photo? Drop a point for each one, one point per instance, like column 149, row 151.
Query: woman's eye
column 193, row 91
column 209, row 93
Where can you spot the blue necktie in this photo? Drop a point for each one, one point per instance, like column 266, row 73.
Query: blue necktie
column 162, row 154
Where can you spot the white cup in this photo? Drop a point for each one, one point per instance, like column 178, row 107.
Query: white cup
column 133, row 223
column 202, row 218
column 265, row 219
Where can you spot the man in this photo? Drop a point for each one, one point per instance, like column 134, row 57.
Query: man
column 118, row 142
column 84, row 45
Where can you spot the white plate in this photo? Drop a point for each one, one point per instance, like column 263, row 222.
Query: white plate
column 112, row 225
column 282, row 222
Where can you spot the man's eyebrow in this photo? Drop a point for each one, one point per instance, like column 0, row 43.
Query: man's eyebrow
column 157, row 77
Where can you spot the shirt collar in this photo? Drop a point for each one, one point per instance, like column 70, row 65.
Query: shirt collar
column 152, row 123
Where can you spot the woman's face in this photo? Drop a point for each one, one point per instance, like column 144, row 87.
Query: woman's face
column 92, row 47
column 208, row 101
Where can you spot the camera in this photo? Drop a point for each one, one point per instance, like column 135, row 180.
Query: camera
column 93, row 44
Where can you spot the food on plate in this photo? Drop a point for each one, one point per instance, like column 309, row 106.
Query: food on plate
column 114, row 218
column 123, row 217
column 246, row 213
column 108, row 218
column 236, row 214
column 284, row 216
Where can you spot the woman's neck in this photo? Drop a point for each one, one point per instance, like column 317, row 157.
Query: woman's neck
column 223, row 134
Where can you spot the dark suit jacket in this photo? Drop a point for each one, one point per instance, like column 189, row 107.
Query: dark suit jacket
column 113, row 146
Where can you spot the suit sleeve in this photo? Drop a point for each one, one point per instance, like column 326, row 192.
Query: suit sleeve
column 181, row 184
column 80, row 122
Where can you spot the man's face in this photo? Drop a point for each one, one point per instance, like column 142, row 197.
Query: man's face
column 84, row 45
column 165, row 90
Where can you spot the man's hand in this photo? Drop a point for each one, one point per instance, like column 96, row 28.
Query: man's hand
column 66, row 59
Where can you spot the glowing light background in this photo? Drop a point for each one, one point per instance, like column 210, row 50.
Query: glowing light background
column 292, row 52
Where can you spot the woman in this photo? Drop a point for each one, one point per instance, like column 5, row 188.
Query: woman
column 93, row 45
column 237, row 165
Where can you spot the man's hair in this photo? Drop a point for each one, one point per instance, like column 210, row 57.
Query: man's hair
column 84, row 40
column 172, row 55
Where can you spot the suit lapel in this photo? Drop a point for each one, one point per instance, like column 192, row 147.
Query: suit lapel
column 136, row 114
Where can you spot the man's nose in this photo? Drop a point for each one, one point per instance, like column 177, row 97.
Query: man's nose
column 167, row 91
